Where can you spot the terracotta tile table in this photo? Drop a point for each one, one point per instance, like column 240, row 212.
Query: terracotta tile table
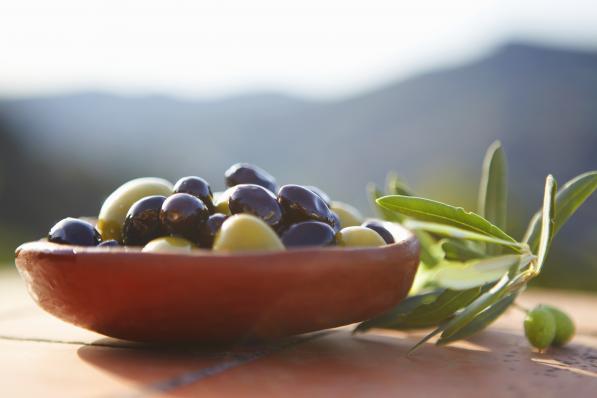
column 41, row 356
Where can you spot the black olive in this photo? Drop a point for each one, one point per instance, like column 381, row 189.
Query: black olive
column 208, row 231
column 197, row 187
column 378, row 227
column 142, row 222
column 336, row 224
column 301, row 204
column 109, row 243
column 183, row 215
column 72, row 231
column 256, row 200
column 326, row 198
column 309, row 233
column 244, row 173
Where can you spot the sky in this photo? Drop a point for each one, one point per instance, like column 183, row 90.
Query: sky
column 216, row 48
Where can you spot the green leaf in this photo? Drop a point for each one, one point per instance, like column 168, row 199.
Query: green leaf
column 388, row 215
column 481, row 321
column 396, row 186
column 432, row 211
column 406, row 306
column 493, row 190
column 547, row 220
column 430, row 253
column 457, row 250
column 459, row 233
column 426, row 313
column 485, row 300
column 568, row 199
column 458, row 276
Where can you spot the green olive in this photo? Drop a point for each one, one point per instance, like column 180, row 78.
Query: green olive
column 169, row 244
column 348, row 215
column 245, row 232
column 114, row 209
column 221, row 201
column 540, row 327
column 359, row 237
column 564, row 326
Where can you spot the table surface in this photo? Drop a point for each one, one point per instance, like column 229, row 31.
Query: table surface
column 43, row 356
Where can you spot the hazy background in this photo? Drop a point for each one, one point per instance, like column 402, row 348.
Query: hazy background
column 333, row 94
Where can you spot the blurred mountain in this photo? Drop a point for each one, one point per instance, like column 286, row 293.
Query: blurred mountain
column 432, row 128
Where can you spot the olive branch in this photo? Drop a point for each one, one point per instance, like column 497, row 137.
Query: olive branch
column 471, row 269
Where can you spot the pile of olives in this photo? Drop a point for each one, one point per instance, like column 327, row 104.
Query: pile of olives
column 546, row 326
column 252, row 214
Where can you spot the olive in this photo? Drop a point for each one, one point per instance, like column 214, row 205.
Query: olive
column 349, row 216
column 309, row 233
column 378, row 226
column 72, row 231
column 326, row 198
column 197, row 187
column 142, row 222
column 113, row 212
column 168, row 244
column 109, row 243
column 183, row 214
column 221, row 201
column 336, row 222
column 244, row 173
column 245, row 232
column 301, row 204
column 540, row 327
column 358, row 237
column 256, row 200
column 208, row 231
column 564, row 326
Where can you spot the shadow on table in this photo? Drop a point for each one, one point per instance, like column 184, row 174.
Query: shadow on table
column 495, row 359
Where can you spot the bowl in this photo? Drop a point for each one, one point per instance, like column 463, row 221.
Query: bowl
column 212, row 298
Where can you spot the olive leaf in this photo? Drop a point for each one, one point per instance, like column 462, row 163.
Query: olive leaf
column 397, row 186
column 568, row 199
column 478, row 272
column 433, row 211
column 547, row 220
column 481, row 321
column 463, row 318
column 493, row 190
column 429, row 310
column 459, row 233
column 406, row 306
column 430, row 254
column 456, row 250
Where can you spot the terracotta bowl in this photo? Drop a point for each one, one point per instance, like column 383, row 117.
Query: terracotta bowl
column 211, row 298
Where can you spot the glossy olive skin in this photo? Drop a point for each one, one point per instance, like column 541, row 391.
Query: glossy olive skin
column 245, row 233
column 72, row 231
column 168, row 244
column 337, row 224
column 301, row 204
column 378, row 227
column 309, row 233
column 142, row 222
column 208, row 231
column 245, row 173
column 115, row 207
column 109, row 243
column 326, row 198
column 256, row 200
column 197, row 187
column 358, row 237
column 182, row 215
